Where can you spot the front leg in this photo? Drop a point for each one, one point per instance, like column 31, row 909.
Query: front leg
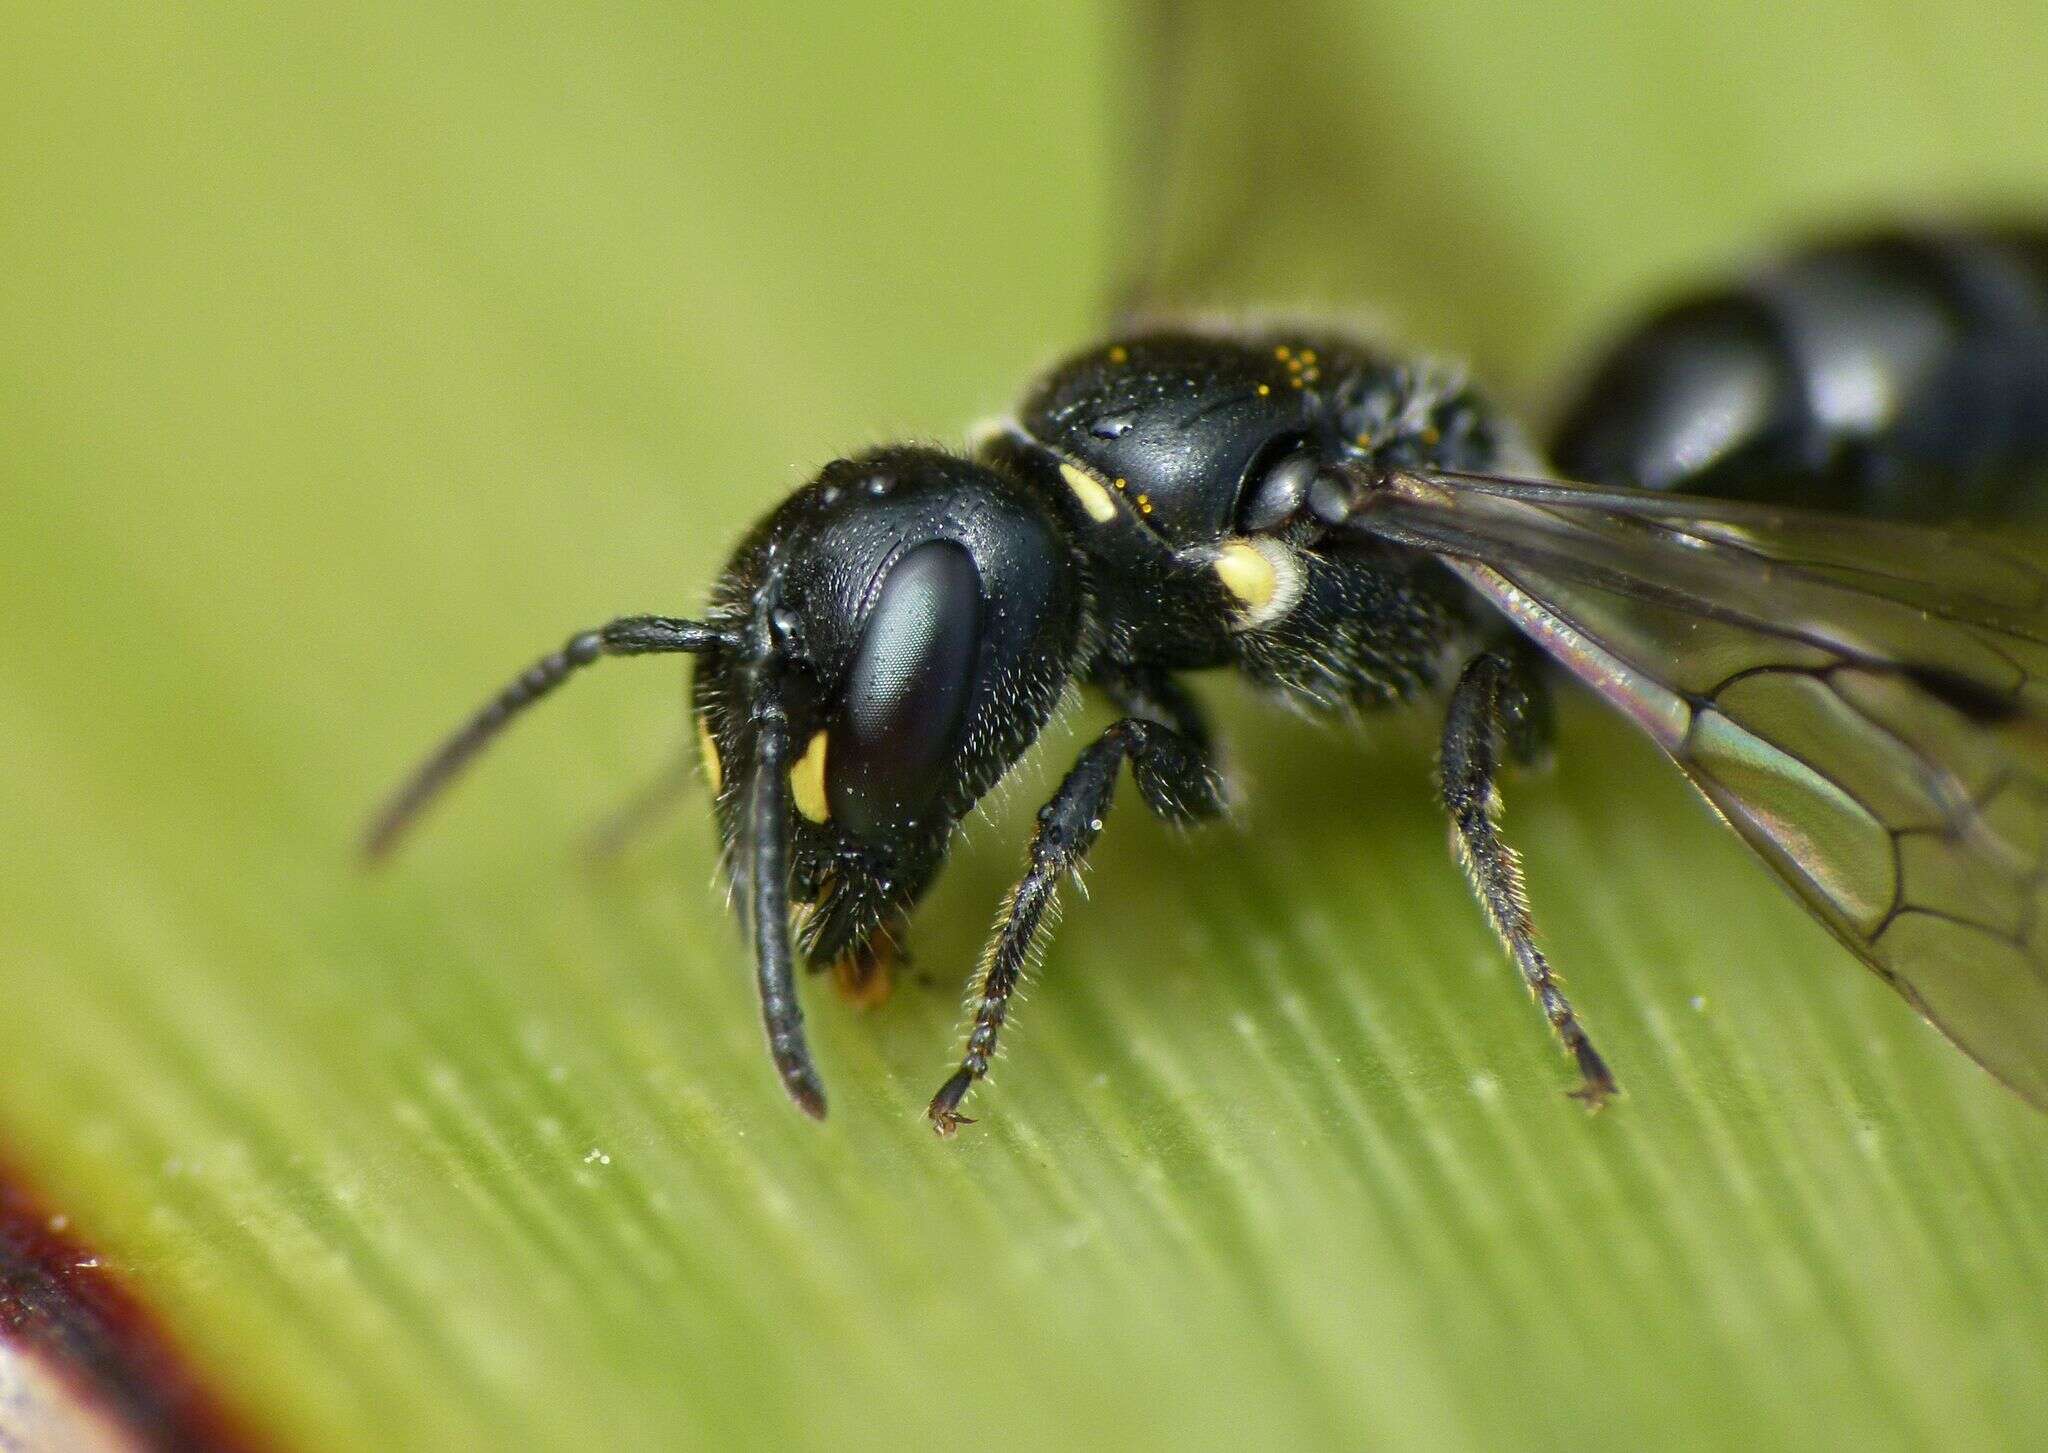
column 1502, row 698
column 1177, row 782
column 1156, row 696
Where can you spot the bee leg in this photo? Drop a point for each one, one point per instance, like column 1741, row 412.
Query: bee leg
column 1157, row 697
column 1174, row 777
column 1501, row 699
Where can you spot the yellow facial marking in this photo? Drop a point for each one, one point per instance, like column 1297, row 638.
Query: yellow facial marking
column 1247, row 574
column 714, row 770
column 807, row 781
column 1088, row 489
column 1265, row 389
column 1119, row 354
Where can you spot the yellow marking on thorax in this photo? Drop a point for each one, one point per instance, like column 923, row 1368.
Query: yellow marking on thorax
column 714, row 770
column 1246, row 574
column 1263, row 576
column 1088, row 489
column 807, row 781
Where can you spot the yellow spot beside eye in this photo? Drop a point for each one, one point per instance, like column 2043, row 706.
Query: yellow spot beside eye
column 714, row 770
column 1264, row 389
column 1247, row 574
column 1119, row 354
column 1088, row 489
column 807, row 781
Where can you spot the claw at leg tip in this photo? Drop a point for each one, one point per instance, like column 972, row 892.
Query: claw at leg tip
column 944, row 1111
column 1593, row 1096
column 809, row 1096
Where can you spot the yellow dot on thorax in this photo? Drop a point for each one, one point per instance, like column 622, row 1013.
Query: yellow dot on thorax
column 807, row 781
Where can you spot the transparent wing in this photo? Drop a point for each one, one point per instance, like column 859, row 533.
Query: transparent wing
column 1264, row 160
column 1864, row 703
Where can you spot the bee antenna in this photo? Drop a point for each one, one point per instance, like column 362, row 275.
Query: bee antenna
column 627, row 636
column 765, row 860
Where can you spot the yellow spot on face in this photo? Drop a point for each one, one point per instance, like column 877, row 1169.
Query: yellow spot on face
column 1308, row 356
column 1119, row 354
column 1364, row 441
column 1088, row 489
column 1121, row 483
column 1264, row 389
column 1247, row 574
column 1432, row 435
column 807, row 781
column 1145, row 504
column 1281, row 351
column 714, row 770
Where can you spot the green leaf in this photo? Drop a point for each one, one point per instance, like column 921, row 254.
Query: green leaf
column 349, row 357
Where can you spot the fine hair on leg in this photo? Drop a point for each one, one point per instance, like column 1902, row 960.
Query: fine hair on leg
column 1176, row 781
column 1502, row 699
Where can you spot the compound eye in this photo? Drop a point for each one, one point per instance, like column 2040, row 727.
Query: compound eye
column 1273, row 496
column 908, row 691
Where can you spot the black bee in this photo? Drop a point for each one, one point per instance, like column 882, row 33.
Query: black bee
column 1860, row 698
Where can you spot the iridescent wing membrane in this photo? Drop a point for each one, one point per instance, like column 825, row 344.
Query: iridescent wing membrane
column 1263, row 160
column 1863, row 702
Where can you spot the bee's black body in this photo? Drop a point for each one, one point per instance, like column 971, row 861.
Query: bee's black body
column 1903, row 375
column 889, row 641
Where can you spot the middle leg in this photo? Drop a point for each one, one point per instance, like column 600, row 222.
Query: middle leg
column 1503, row 700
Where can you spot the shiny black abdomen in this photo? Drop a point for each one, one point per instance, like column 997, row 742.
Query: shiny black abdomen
column 1902, row 375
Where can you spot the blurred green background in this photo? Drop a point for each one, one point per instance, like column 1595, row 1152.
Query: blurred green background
column 349, row 357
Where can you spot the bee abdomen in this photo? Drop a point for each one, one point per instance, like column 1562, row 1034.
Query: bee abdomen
column 1899, row 374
